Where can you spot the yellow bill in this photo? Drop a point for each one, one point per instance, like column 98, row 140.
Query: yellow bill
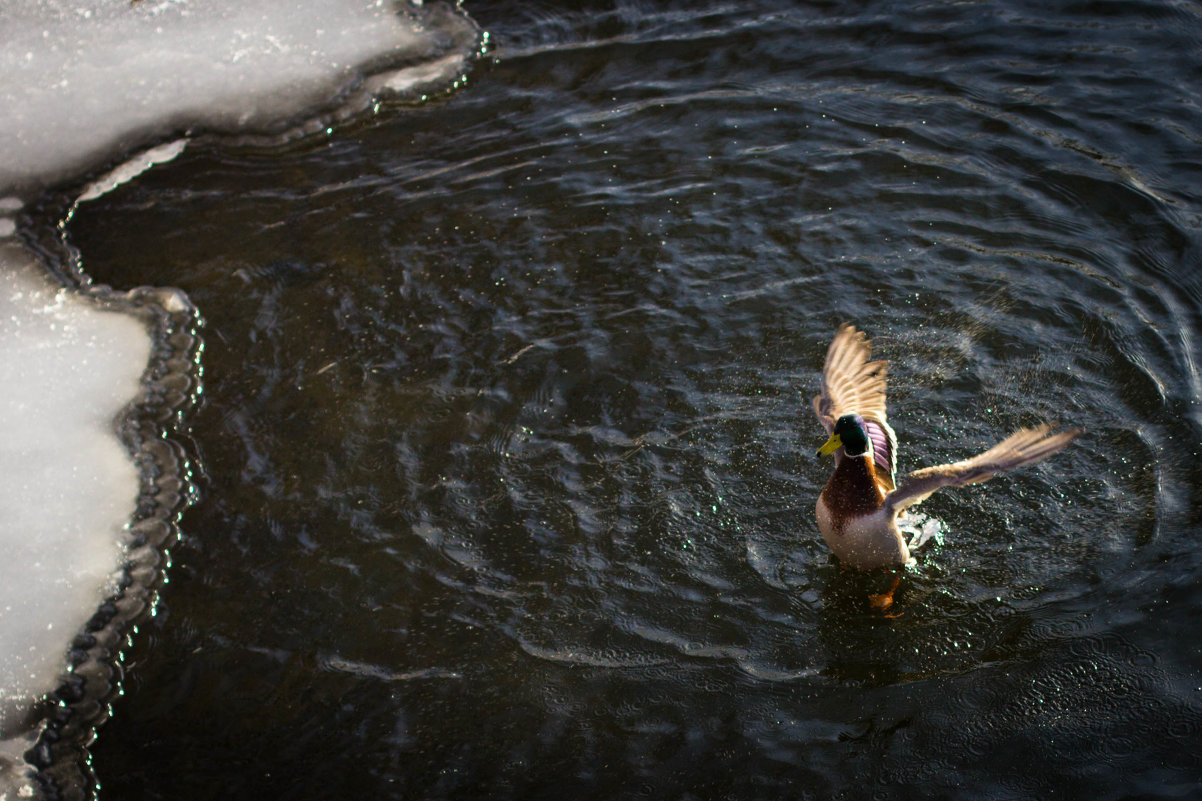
column 830, row 446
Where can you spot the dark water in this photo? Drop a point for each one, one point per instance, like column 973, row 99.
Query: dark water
column 506, row 439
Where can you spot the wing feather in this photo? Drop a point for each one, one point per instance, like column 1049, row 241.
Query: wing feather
column 852, row 383
column 1020, row 448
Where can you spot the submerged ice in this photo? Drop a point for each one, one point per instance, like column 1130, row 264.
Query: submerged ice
column 87, row 84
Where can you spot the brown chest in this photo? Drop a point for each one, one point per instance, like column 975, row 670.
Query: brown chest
column 852, row 491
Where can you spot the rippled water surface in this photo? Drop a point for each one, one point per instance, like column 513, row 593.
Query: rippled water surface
column 507, row 449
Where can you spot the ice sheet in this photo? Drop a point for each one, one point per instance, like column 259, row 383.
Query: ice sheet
column 69, row 487
column 88, row 80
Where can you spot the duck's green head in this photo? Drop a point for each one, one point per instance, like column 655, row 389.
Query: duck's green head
column 849, row 434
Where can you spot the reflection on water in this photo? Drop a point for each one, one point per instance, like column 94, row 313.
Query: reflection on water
column 506, row 437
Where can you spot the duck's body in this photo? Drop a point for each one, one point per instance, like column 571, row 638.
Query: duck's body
column 854, row 521
column 858, row 509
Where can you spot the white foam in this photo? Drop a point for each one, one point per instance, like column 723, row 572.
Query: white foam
column 69, row 487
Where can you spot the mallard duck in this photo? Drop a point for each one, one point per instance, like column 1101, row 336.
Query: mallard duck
column 859, row 506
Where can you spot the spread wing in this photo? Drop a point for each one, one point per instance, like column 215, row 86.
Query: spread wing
column 850, row 382
column 1020, row 448
column 853, row 384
